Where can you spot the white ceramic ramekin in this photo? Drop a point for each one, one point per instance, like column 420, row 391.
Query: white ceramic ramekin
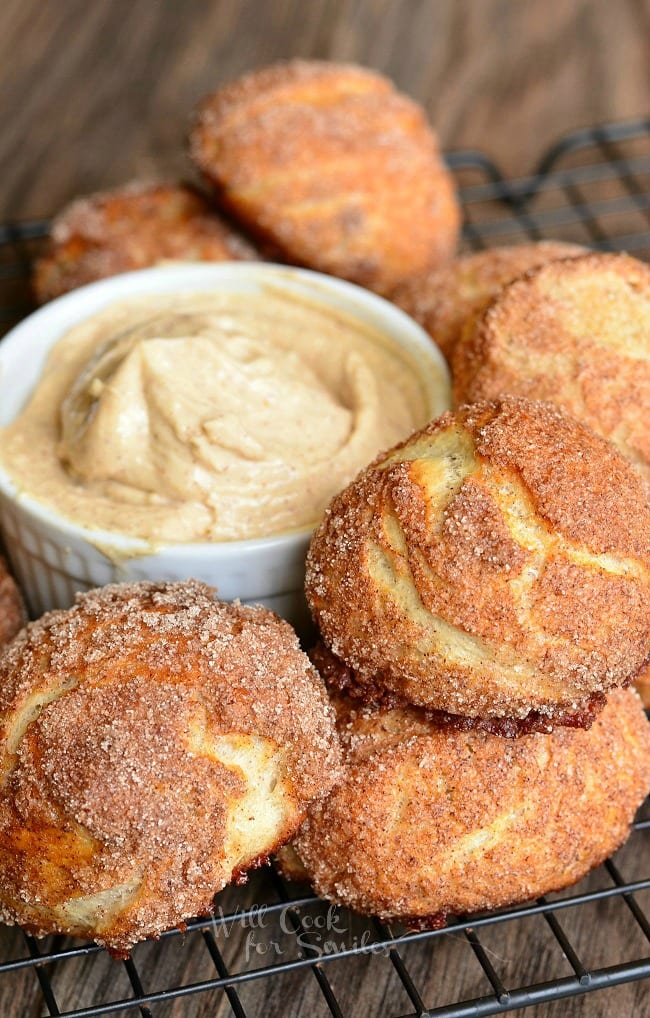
column 53, row 558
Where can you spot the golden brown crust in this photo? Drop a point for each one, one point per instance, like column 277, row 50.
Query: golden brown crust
column 444, row 299
column 154, row 743
column 430, row 822
column 332, row 169
column 341, row 679
column 576, row 332
column 132, row 227
column 12, row 608
column 494, row 564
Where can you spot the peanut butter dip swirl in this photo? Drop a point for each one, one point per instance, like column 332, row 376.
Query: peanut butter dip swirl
column 210, row 416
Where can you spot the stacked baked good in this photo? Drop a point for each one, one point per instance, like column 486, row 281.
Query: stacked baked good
column 481, row 592
column 495, row 565
column 432, row 821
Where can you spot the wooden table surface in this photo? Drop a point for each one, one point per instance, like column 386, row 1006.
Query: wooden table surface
column 96, row 92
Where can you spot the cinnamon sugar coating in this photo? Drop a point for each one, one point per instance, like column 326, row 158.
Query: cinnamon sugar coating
column 132, row 227
column 155, row 743
column 576, row 332
column 444, row 300
column 430, row 822
column 330, row 168
column 494, row 564
column 12, row 609
column 341, row 679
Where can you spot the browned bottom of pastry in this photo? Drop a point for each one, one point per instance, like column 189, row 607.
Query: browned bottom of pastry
column 341, row 678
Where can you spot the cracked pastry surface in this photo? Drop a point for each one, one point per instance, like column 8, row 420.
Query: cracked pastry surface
column 133, row 227
column 430, row 822
column 443, row 300
column 576, row 332
column 330, row 168
column 494, row 564
column 156, row 743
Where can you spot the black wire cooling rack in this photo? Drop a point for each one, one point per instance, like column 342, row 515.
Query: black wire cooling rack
column 272, row 948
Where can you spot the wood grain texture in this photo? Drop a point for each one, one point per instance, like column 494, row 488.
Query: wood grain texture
column 95, row 93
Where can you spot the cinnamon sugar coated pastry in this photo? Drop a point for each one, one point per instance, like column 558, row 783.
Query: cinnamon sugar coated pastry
column 444, row 299
column 133, row 227
column 330, row 168
column 575, row 332
column 495, row 564
column 432, row 822
column 341, row 678
column 12, row 609
column 156, row 743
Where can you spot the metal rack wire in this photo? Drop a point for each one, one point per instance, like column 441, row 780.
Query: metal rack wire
column 592, row 188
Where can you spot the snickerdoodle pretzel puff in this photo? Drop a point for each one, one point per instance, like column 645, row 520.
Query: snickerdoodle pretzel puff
column 155, row 744
column 576, row 332
column 133, row 227
column 331, row 168
column 430, row 822
column 495, row 564
column 443, row 300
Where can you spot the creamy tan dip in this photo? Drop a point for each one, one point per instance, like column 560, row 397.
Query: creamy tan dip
column 210, row 417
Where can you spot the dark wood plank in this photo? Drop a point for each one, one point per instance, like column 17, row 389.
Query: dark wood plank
column 93, row 94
